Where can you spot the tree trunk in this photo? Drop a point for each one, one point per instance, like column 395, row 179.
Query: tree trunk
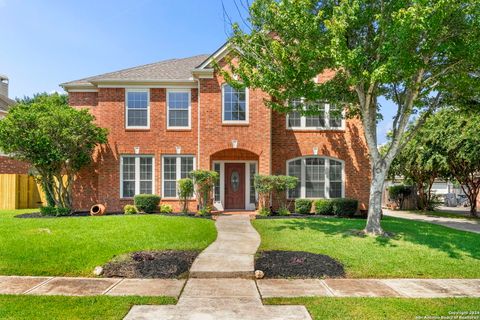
column 379, row 172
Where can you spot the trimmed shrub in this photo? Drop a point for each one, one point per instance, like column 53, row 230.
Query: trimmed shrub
column 344, row 207
column 55, row 211
column 185, row 192
column 283, row 212
column 130, row 209
column 264, row 212
column 166, row 208
column 147, row 202
column 273, row 188
column 204, row 181
column 303, row 206
column 324, row 206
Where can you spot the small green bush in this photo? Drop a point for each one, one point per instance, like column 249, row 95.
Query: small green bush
column 283, row 212
column 205, row 211
column 54, row 211
column 264, row 212
column 345, row 207
column 185, row 192
column 130, row 209
column 166, row 208
column 303, row 206
column 147, row 202
column 324, row 206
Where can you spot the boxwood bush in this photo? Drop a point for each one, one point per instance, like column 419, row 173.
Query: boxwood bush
column 344, row 207
column 147, row 202
column 130, row 209
column 303, row 206
column 54, row 211
column 324, row 206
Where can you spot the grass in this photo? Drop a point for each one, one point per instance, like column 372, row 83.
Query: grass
column 385, row 308
column 75, row 308
column 444, row 214
column 418, row 249
column 74, row 246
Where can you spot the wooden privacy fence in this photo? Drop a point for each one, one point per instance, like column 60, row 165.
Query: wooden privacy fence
column 20, row 191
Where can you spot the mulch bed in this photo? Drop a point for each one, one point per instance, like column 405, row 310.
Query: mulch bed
column 298, row 264
column 151, row 264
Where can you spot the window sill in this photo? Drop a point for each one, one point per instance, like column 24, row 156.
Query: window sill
column 178, row 129
column 137, row 129
column 235, row 124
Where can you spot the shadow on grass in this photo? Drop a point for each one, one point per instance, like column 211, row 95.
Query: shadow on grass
column 454, row 243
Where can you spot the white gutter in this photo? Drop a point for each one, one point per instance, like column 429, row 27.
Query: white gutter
column 198, row 123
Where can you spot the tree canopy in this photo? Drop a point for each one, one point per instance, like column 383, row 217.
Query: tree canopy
column 416, row 53
column 56, row 139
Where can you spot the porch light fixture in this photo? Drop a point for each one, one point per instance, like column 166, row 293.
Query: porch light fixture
column 234, row 144
column 315, row 150
column 178, row 149
column 136, row 150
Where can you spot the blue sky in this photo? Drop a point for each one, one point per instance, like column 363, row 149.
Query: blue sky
column 45, row 43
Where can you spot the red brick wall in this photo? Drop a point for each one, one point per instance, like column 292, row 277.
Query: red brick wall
column 12, row 166
column 271, row 145
column 348, row 145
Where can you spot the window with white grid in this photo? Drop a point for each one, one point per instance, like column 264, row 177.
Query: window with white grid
column 178, row 109
column 174, row 169
column 136, row 175
column 137, row 108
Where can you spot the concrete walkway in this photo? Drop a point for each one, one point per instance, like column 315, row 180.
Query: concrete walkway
column 454, row 223
column 221, row 284
column 231, row 255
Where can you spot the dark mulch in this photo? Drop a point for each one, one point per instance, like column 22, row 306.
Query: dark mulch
column 151, row 264
column 298, row 264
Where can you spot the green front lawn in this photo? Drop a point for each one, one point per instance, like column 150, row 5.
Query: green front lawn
column 74, row 246
column 385, row 308
column 74, row 308
column 418, row 250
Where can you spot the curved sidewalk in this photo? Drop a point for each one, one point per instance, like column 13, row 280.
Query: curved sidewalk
column 454, row 223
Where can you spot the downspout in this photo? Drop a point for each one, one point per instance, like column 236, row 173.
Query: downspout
column 198, row 123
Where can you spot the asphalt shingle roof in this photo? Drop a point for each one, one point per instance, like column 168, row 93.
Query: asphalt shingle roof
column 173, row 69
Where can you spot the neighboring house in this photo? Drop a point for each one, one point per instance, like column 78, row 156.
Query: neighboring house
column 7, row 164
column 170, row 117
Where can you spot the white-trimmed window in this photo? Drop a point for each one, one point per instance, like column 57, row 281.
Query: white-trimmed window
column 178, row 109
column 136, row 175
column 234, row 104
column 329, row 117
column 137, row 109
column 318, row 177
column 175, row 168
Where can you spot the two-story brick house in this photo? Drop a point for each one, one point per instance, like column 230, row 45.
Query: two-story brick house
column 167, row 118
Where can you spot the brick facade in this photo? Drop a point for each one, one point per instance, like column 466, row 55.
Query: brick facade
column 12, row 166
column 265, row 139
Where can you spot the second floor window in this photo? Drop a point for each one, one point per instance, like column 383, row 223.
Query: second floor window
column 178, row 109
column 327, row 117
column 234, row 105
column 137, row 109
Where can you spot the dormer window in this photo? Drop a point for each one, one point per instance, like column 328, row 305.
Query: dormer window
column 234, row 105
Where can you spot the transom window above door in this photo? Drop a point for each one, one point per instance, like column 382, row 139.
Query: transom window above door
column 137, row 109
column 318, row 177
column 328, row 117
column 178, row 109
column 234, row 105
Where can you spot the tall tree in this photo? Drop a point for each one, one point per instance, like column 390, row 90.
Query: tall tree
column 409, row 51
column 456, row 134
column 56, row 139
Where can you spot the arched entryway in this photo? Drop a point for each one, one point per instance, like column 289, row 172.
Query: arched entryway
column 237, row 168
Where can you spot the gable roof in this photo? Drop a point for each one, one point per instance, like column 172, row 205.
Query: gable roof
column 167, row 70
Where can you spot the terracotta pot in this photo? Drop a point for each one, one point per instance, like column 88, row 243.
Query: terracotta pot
column 97, row 210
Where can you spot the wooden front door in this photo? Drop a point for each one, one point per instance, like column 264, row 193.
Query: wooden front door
column 235, row 186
